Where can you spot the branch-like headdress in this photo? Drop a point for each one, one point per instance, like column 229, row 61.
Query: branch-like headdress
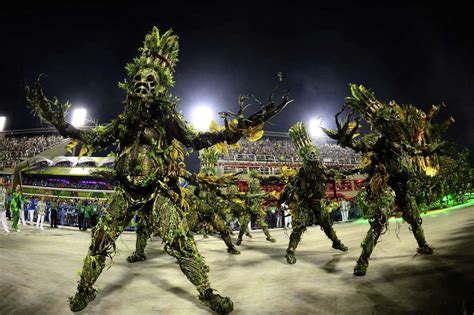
column 208, row 158
column 159, row 53
column 303, row 144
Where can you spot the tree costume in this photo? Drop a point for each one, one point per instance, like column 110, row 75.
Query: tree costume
column 149, row 162
column 209, row 211
column 147, row 226
column 253, row 209
column 305, row 193
column 401, row 145
column 236, row 205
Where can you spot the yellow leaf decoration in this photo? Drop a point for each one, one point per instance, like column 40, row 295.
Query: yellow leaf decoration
column 221, row 147
column 213, row 126
column 238, row 201
column 232, row 125
column 254, row 133
column 71, row 145
column 255, row 136
column 275, row 194
column 83, row 151
column 366, row 160
column 235, row 146
column 352, row 125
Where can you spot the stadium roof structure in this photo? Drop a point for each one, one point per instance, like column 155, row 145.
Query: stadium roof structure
column 107, row 160
column 39, row 159
column 76, row 168
column 87, row 159
column 59, row 159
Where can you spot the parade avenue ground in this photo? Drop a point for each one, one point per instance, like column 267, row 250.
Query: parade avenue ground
column 40, row 271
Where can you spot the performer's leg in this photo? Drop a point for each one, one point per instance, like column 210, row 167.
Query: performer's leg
column 41, row 223
column 377, row 225
column 22, row 216
column 31, row 214
column 247, row 232
column 142, row 237
column 225, row 235
column 219, row 225
column 244, row 221
column 324, row 221
column 110, row 226
column 264, row 227
column 15, row 219
column 3, row 218
column 300, row 222
column 180, row 244
column 411, row 215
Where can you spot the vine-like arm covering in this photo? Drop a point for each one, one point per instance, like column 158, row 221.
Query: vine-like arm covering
column 287, row 192
column 347, row 131
column 335, row 173
column 234, row 129
column 53, row 112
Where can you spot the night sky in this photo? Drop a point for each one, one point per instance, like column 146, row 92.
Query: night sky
column 411, row 53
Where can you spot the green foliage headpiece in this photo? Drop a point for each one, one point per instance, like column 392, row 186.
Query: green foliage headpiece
column 303, row 144
column 155, row 65
column 208, row 158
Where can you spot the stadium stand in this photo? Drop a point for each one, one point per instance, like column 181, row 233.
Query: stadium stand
column 15, row 149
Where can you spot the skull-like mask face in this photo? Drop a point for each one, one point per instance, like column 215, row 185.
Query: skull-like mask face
column 310, row 153
column 208, row 170
column 145, row 82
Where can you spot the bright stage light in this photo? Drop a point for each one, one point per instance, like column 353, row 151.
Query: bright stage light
column 79, row 117
column 201, row 118
column 315, row 130
column 3, row 119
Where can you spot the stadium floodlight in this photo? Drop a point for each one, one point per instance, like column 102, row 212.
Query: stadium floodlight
column 315, row 128
column 79, row 117
column 3, row 119
column 201, row 117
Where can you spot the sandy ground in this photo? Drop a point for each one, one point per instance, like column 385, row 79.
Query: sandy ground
column 39, row 272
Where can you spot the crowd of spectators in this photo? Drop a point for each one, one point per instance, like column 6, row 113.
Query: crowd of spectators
column 14, row 149
column 83, row 213
column 67, row 183
column 346, row 210
column 281, row 150
column 333, row 154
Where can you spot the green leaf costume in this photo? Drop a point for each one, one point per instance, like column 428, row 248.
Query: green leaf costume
column 402, row 145
column 149, row 162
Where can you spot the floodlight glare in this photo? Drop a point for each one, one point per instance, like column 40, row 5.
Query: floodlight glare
column 3, row 119
column 315, row 128
column 79, row 117
column 201, row 118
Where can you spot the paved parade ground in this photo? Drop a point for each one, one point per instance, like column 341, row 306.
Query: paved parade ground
column 39, row 272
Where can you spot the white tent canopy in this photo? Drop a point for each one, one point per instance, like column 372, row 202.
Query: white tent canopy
column 86, row 159
column 107, row 160
column 39, row 159
column 59, row 159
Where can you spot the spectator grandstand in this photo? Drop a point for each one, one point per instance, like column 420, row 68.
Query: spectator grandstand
column 268, row 155
column 69, row 179
column 14, row 150
column 282, row 150
column 74, row 183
